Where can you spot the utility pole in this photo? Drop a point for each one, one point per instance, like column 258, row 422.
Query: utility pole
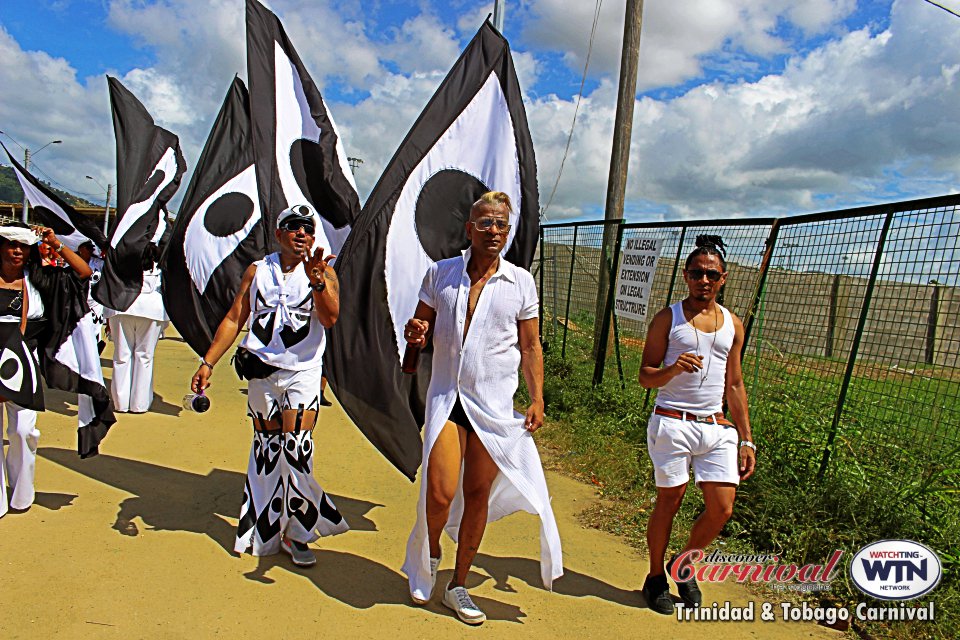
column 619, row 157
column 106, row 211
column 26, row 169
column 106, row 206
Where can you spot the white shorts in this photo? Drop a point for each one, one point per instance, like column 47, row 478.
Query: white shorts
column 673, row 444
column 282, row 390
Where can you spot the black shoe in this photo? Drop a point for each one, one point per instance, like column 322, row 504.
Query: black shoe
column 324, row 402
column 689, row 591
column 656, row 592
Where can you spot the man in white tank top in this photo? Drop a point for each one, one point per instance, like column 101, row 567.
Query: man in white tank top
column 290, row 297
column 692, row 355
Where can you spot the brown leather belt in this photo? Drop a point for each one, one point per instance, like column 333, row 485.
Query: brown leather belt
column 686, row 415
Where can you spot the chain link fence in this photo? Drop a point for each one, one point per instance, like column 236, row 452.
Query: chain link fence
column 852, row 322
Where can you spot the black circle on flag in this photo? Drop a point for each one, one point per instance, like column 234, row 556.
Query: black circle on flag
column 306, row 160
column 60, row 226
column 443, row 208
column 10, row 368
column 228, row 214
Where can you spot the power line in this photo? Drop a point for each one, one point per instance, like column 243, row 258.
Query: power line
column 576, row 109
column 948, row 10
column 69, row 190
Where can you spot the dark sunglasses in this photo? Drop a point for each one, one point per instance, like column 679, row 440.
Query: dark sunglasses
column 295, row 225
column 697, row 274
column 485, row 224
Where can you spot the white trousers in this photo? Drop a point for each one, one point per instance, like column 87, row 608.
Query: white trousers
column 134, row 340
column 19, row 465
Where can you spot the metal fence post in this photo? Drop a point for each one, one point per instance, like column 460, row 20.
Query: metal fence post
column 607, row 311
column 855, row 347
column 758, row 292
column 566, row 312
column 542, row 247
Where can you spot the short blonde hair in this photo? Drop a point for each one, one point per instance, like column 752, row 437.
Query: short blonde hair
column 491, row 200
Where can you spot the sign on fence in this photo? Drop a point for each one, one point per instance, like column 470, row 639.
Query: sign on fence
column 638, row 263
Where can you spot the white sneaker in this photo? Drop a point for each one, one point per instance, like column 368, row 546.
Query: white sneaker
column 459, row 600
column 434, row 565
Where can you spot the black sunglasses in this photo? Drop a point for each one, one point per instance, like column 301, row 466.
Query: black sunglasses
column 295, row 225
column 697, row 274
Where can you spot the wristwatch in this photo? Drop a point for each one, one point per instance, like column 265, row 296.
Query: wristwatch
column 320, row 286
column 747, row 443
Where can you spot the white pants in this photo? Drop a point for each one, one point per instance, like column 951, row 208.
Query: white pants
column 134, row 340
column 19, row 465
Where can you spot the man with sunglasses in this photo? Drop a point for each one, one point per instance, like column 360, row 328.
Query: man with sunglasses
column 692, row 355
column 481, row 312
column 289, row 297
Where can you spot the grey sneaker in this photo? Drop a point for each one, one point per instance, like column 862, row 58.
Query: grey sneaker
column 300, row 553
column 434, row 565
column 459, row 600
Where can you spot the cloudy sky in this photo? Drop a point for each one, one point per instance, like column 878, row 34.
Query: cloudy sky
column 743, row 108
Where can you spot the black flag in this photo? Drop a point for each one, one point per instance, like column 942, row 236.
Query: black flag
column 219, row 230
column 472, row 137
column 149, row 169
column 300, row 156
column 72, row 228
column 20, row 374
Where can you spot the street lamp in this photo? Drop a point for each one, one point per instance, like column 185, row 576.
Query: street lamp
column 106, row 206
column 26, row 167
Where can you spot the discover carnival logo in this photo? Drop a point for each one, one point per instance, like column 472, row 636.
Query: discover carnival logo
column 895, row 569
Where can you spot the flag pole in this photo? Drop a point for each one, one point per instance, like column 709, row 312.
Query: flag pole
column 498, row 15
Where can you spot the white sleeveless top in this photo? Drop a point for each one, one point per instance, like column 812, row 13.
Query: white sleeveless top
column 284, row 330
column 700, row 392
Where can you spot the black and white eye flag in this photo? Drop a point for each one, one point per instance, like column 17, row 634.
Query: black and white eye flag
column 471, row 138
column 219, row 230
column 20, row 373
column 149, row 169
column 300, row 155
column 72, row 228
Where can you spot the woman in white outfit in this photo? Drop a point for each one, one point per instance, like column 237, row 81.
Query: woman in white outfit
column 135, row 334
column 24, row 286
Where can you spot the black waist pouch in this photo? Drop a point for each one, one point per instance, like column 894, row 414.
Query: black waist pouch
column 249, row 367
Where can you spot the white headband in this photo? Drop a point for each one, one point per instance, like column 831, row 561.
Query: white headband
column 19, row 234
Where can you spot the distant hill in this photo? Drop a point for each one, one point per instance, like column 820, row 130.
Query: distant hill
column 10, row 190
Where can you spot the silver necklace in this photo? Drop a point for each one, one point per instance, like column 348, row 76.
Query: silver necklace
column 705, row 372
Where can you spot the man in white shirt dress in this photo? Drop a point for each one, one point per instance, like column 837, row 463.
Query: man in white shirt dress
column 482, row 314
column 692, row 355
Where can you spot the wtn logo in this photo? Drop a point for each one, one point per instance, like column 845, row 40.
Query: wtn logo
column 903, row 570
column 895, row 569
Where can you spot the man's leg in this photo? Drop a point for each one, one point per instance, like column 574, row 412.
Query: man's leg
column 718, row 498
column 443, row 474
column 660, row 524
column 478, row 475
column 22, row 454
column 141, row 387
column 310, row 513
column 122, row 354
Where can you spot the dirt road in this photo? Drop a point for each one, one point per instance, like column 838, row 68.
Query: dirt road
column 137, row 543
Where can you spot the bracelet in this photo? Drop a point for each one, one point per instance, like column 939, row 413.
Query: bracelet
column 204, row 362
column 320, row 286
column 59, row 248
column 747, row 443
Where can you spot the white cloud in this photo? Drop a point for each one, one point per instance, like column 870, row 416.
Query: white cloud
column 675, row 36
column 865, row 118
